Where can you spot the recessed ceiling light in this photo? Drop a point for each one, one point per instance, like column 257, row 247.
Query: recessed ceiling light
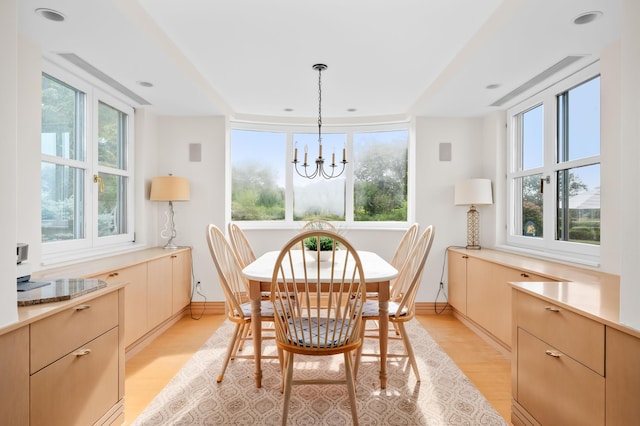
column 492, row 86
column 145, row 84
column 587, row 17
column 50, row 14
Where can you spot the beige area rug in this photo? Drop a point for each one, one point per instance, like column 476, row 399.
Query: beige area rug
column 445, row 396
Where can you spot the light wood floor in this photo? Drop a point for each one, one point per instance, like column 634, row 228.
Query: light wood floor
column 152, row 368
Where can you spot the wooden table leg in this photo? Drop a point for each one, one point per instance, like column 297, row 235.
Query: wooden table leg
column 256, row 328
column 383, row 305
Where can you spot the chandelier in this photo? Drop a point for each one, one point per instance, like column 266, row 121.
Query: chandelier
column 308, row 171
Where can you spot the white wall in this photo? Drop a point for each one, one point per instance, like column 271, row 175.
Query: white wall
column 8, row 144
column 630, row 132
column 610, row 159
column 206, row 182
column 435, row 181
column 29, row 124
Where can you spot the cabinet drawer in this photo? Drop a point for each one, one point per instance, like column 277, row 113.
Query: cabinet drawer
column 56, row 336
column 77, row 389
column 577, row 336
column 557, row 390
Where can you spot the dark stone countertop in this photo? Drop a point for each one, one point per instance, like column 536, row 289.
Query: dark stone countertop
column 59, row 290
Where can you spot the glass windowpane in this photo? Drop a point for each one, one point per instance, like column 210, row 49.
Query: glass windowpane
column 380, row 175
column 579, row 122
column 112, row 137
column 578, row 204
column 532, row 138
column 529, row 213
column 257, row 175
column 63, row 120
column 319, row 197
column 62, row 212
column 112, row 198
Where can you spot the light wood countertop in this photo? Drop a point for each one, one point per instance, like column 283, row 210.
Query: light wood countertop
column 106, row 264
column 554, row 270
column 32, row 313
column 588, row 292
column 93, row 267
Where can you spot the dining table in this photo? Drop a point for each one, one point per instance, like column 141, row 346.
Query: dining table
column 378, row 274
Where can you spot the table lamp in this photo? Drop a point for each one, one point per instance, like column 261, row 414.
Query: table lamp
column 169, row 188
column 473, row 192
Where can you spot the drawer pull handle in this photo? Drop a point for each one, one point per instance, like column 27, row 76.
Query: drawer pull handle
column 464, row 256
column 113, row 274
column 552, row 309
column 551, row 353
column 523, row 275
column 82, row 352
column 83, row 307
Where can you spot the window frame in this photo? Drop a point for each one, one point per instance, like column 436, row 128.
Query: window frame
column 92, row 244
column 349, row 130
column 546, row 245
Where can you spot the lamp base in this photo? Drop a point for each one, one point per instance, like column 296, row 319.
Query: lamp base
column 170, row 246
column 473, row 229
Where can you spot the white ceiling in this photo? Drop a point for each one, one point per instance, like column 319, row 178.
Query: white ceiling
column 253, row 58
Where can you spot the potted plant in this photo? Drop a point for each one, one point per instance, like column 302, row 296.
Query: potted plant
column 325, row 247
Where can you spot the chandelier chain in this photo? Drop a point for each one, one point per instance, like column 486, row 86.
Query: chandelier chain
column 319, row 104
column 335, row 169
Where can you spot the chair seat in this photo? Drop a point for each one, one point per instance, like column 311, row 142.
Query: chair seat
column 371, row 309
column 316, row 332
column 266, row 309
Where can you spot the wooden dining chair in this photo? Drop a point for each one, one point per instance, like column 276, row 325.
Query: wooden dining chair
column 402, row 306
column 405, row 246
column 241, row 245
column 319, row 224
column 236, row 291
column 400, row 256
column 312, row 327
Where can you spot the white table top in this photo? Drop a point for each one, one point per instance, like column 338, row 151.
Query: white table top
column 375, row 268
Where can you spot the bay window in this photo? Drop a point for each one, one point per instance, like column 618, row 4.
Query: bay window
column 266, row 188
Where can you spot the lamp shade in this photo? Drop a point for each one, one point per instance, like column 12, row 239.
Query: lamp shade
column 473, row 192
column 169, row 188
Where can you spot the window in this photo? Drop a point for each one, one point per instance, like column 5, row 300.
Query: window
column 320, row 198
column 373, row 188
column 85, row 167
column 380, row 175
column 257, row 178
column 554, row 175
